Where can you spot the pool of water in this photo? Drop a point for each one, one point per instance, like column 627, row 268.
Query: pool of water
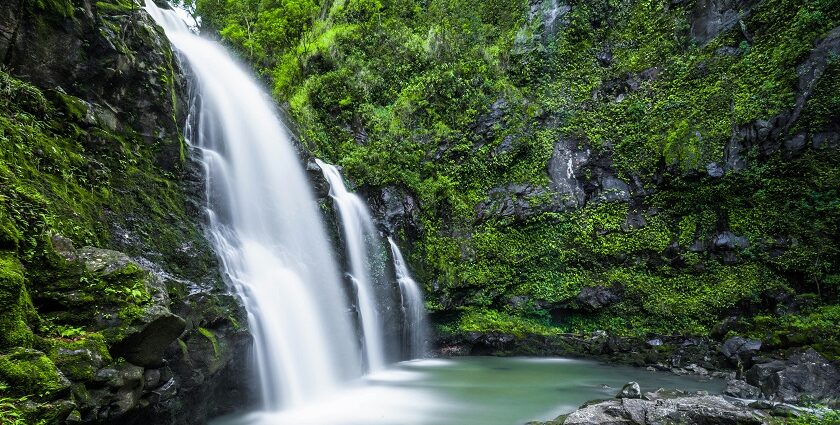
column 471, row 391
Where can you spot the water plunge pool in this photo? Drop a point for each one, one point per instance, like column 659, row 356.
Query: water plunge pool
column 472, row 391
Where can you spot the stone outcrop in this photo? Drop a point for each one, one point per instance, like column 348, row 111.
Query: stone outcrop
column 699, row 409
column 128, row 320
column 804, row 377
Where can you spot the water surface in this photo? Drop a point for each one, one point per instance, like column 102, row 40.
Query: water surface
column 472, row 391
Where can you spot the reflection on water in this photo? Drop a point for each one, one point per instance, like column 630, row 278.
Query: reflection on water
column 471, row 390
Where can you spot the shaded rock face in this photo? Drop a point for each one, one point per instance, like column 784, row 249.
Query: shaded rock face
column 804, row 377
column 597, row 297
column 712, row 17
column 109, row 54
column 150, row 332
column 773, row 134
column 740, row 351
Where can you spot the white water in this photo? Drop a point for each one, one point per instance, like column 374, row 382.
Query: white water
column 266, row 228
column 360, row 240
column 411, row 299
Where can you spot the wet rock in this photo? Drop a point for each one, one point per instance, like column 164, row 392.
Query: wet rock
column 740, row 351
column 806, row 376
column 702, row 409
column 741, row 389
column 630, row 390
column 598, row 297
column 655, row 342
column 712, row 17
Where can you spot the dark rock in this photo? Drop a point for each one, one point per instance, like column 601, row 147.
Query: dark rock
column 144, row 345
column 656, row 342
column 316, row 177
column 804, row 377
column 714, row 170
column 514, row 200
column 740, row 351
column 630, row 390
column 598, row 297
column 712, row 17
column 795, row 144
column 729, row 241
column 741, row 389
column 604, row 57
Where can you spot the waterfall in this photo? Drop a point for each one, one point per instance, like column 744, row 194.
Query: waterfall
column 415, row 328
column 361, row 241
column 266, row 228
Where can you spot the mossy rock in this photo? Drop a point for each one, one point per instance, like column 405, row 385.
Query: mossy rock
column 14, row 329
column 31, row 372
column 79, row 359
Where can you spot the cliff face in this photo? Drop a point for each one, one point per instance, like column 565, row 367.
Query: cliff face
column 644, row 166
column 113, row 309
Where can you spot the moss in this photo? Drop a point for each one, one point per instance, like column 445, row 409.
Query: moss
column 212, row 338
column 14, row 327
column 79, row 358
column 31, row 372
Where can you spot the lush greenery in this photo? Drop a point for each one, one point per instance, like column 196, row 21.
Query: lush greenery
column 448, row 99
column 73, row 174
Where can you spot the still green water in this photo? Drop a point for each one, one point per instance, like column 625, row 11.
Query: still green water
column 472, row 391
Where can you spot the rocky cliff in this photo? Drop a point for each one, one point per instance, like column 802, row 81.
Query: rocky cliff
column 113, row 307
column 642, row 167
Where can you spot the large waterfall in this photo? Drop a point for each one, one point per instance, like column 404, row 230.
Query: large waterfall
column 266, row 227
column 267, row 231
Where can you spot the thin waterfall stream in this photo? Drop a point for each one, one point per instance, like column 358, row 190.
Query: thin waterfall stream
column 360, row 239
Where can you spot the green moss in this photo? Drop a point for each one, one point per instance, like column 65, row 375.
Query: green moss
column 482, row 320
column 79, row 358
column 212, row 338
column 14, row 328
column 30, row 372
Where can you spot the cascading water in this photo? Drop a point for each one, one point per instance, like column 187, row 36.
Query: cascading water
column 360, row 239
column 411, row 299
column 266, row 228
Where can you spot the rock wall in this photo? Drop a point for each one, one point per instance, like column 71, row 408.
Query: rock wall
column 114, row 310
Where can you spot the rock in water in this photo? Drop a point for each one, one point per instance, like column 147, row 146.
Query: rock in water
column 681, row 410
column 630, row 390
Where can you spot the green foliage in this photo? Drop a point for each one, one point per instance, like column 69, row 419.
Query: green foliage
column 399, row 93
column 482, row 320
column 10, row 413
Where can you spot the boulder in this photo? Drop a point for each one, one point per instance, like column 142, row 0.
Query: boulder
column 741, row 389
column 740, row 351
column 144, row 345
column 28, row 371
column 630, row 390
column 804, row 377
column 598, row 297
column 702, row 409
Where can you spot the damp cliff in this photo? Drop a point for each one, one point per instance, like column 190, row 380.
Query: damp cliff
column 113, row 307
